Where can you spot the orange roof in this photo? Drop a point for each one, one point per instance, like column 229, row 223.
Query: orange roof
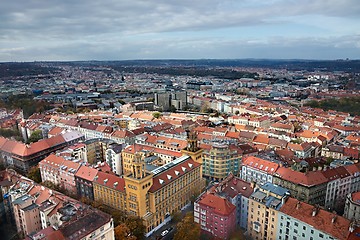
column 220, row 205
column 322, row 221
column 308, row 179
column 86, row 173
column 55, row 131
column 52, row 160
column 110, row 181
column 261, row 164
column 261, row 138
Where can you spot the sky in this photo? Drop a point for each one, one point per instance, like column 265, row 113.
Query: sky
column 62, row 30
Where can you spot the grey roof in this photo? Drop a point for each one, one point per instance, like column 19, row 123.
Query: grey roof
column 30, row 207
column 275, row 189
column 21, row 199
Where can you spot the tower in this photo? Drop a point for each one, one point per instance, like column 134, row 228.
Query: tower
column 138, row 183
column 192, row 149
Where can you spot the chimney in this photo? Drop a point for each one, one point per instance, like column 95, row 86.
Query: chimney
column 298, row 205
column 314, row 211
column 333, row 219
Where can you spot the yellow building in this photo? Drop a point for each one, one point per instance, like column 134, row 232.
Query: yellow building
column 192, row 149
column 264, row 205
column 155, row 195
column 110, row 190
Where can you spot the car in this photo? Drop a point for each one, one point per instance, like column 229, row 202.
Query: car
column 163, row 234
column 170, row 229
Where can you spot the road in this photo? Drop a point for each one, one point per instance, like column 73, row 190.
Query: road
column 157, row 235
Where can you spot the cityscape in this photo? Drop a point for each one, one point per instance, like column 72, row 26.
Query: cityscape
column 180, row 149
column 180, row 120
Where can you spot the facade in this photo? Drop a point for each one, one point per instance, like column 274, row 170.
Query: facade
column 113, row 158
column 67, row 176
column 264, row 204
column 50, row 168
column 299, row 220
column 219, row 161
column 257, row 170
column 309, row 187
column 84, row 178
column 215, row 214
column 352, row 206
column 155, row 195
column 110, row 190
column 338, row 187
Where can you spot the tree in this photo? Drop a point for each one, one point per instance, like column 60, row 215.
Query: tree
column 237, row 112
column 34, row 174
column 172, row 108
column 187, row 229
column 136, row 226
column 35, row 136
column 122, row 232
column 156, row 115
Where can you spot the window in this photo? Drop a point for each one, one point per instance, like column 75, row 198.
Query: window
column 304, row 228
column 296, row 224
column 321, row 235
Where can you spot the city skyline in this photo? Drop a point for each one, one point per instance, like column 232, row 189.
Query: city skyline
column 120, row 30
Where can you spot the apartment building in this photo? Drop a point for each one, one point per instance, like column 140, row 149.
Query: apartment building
column 23, row 156
column 299, row 220
column 254, row 169
column 215, row 214
column 221, row 160
column 110, row 190
column 84, row 179
column 352, row 206
column 309, row 187
column 113, row 158
column 264, row 204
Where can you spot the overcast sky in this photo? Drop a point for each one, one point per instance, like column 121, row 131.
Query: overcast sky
column 35, row 30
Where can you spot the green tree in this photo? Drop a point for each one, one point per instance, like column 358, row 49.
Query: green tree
column 156, row 115
column 187, row 229
column 35, row 136
column 34, row 174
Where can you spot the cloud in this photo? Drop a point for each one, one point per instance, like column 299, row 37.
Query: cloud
column 99, row 27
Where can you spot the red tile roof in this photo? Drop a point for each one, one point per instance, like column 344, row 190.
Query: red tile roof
column 86, row 173
column 322, row 221
column 220, row 205
column 308, row 179
column 260, row 164
column 110, row 181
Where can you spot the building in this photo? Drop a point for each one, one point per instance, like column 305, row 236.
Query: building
column 299, row 220
column 155, row 195
column 264, row 204
column 254, row 169
column 237, row 192
column 216, row 215
column 338, row 187
column 41, row 213
column 23, row 156
column 84, row 179
column 110, row 190
column 221, row 160
column 352, row 206
column 113, row 158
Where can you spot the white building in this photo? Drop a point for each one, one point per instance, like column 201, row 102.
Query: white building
column 352, row 206
column 337, row 188
column 257, row 170
column 113, row 158
column 299, row 220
